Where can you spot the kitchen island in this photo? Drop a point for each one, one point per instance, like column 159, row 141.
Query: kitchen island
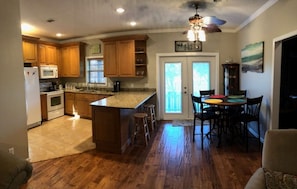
column 112, row 120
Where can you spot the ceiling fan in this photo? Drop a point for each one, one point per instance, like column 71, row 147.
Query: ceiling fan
column 199, row 24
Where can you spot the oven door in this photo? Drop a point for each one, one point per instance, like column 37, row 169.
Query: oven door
column 55, row 101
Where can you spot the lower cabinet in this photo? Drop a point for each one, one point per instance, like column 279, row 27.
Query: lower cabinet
column 43, row 103
column 69, row 103
column 79, row 103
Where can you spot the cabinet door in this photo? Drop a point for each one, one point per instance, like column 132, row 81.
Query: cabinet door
column 47, row 54
column 70, row 61
column 51, row 54
column 231, row 78
column 30, row 52
column 43, row 103
column 69, row 103
column 82, row 104
column 110, row 64
column 126, row 58
column 41, row 54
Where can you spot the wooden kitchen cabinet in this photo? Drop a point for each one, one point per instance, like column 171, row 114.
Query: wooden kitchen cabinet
column 80, row 103
column 43, row 103
column 125, row 56
column 30, row 50
column 72, row 59
column 69, row 107
column 47, row 53
column 231, row 78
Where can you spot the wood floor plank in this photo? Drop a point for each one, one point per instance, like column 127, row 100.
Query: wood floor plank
column 172, row 160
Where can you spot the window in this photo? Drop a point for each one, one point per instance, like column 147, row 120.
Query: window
column 95, row 71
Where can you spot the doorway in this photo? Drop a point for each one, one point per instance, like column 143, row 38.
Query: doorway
column 277, row 71
column 288, row 88
column 179, row 75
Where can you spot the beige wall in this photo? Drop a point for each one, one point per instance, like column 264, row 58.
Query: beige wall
column 278, row 20
column 13, row 124
column 224, row 43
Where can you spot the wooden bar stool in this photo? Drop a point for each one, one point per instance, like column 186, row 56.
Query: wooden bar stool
column 141, row 128
column 150, row 110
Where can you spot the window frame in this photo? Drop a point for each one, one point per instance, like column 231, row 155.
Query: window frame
column 88, row 70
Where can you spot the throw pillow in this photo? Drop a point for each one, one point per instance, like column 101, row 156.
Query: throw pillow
column 277, row 180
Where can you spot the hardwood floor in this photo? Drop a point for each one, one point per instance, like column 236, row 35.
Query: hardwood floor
column 172, row 160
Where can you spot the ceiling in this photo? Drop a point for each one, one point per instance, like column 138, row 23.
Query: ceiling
column 81, row 18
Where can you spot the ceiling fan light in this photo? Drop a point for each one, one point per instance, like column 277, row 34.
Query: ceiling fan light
column 191, row 35
column 201, row 35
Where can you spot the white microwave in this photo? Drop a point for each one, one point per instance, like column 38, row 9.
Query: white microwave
column 48, row 71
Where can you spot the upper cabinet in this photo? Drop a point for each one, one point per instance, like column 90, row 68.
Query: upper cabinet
column 125, row 56
column 30, row 50
column 72, row 60
column 47, row 53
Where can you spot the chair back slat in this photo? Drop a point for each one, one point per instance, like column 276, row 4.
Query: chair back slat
column 253, row 106
column 204, row 93
column 240, row 92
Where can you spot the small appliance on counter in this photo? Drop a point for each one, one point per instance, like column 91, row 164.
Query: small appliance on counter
column 116, row 86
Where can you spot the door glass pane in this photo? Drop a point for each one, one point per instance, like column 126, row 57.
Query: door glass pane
column 201, row 77
column 173, row 90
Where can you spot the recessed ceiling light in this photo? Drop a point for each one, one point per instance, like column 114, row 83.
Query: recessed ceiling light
column 27, row 27
column 120, row 10
column 132, row 23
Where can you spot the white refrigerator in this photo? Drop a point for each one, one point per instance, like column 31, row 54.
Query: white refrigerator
column 33, row 107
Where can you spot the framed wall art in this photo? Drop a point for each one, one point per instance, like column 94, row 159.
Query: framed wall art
column 252, row 57
column 188, row 46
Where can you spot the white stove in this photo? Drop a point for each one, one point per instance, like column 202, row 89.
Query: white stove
column 55, row 103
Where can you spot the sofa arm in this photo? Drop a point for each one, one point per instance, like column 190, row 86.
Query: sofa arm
column 14, row 171
column 257, row 180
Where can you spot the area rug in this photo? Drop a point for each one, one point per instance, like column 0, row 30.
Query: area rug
column 182, row 122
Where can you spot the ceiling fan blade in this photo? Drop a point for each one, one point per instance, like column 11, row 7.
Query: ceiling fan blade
column 213, row 20
column 211, row 28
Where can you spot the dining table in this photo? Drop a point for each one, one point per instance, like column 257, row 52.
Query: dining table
column 227, row 106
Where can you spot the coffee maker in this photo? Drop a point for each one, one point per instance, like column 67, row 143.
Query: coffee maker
column 116, row 86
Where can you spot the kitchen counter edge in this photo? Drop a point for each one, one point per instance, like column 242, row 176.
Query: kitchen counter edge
column 130, row 100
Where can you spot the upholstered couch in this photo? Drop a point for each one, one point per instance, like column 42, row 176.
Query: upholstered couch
column 279, row 162
column 14, row 171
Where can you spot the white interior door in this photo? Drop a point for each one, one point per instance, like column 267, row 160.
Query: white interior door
column 179, row 77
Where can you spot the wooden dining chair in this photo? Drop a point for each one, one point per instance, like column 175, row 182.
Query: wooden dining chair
column 204, row 93
column 251, row 114
column 240, row 92
column 203, row 115
column 236, row 111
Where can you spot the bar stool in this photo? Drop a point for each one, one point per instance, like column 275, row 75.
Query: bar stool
column 150, row 110
column 141, row 127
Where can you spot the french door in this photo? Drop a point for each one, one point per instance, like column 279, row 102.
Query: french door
column 180, row 76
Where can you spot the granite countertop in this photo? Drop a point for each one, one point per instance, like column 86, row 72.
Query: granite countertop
column 90, row 91
column 125, row 99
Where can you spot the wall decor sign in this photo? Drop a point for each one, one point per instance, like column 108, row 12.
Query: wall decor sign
column 252, row 57
column 95, row 49
column 188, row 46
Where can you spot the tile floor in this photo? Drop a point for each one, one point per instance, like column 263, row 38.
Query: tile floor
column 59, row 137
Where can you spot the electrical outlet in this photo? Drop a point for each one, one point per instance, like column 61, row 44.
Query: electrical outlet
column 11, row 150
